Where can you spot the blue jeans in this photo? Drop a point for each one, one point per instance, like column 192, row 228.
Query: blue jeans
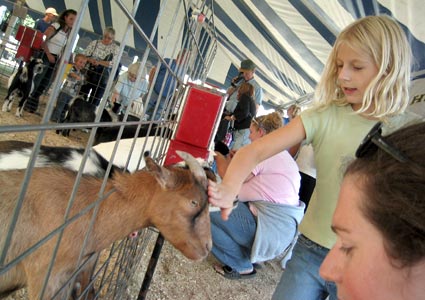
column 58, row 114
column 154, row 99
column 233, row 239
column 240, row 138
column 301, row 279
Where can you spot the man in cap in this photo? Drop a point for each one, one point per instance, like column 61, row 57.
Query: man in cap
column 246, row 74
column 44, row 23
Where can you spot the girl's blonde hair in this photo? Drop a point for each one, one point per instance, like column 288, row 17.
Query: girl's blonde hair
column 385, row 42
column 268, row 122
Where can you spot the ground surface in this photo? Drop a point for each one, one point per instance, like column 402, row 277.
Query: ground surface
column 175, row 277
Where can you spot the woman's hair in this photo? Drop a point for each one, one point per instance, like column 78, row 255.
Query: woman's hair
column 109, row 30
column 395, row 194
column 134, row 68
column 385, row 42
column 65, row 13
column 294, row 109
column 246, row 88
column 268, row 122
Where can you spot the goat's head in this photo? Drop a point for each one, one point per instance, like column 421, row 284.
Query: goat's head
column 37, row 66
column 180, row 208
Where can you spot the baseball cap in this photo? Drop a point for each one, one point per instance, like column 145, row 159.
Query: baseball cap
column 247, row 65
column 52, row 11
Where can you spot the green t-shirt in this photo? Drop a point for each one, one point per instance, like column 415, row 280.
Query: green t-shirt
column 335, row 134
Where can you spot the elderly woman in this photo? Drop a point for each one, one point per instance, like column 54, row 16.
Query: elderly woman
column 380, row 220
column 101, row 55
column 124, row 90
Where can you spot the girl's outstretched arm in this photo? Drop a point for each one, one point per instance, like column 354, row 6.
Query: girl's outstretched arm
column 246, row 158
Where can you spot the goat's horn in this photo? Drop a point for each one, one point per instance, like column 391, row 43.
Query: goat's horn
column 194, row 167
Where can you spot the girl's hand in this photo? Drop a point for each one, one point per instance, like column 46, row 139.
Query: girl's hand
column 221, row 196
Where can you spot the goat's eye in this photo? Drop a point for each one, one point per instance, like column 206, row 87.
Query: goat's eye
column 194, row 203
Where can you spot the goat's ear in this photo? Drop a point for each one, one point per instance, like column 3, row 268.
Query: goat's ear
column 162, row 175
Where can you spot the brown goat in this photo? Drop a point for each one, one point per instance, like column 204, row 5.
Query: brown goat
column 172, row 199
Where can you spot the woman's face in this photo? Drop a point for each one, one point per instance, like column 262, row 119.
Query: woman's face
column 108, row 38
column 255, row 133
column 132, row 77
column 70, row 19
column 358, row 262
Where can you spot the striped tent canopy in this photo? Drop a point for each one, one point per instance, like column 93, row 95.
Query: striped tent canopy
column 289, row 40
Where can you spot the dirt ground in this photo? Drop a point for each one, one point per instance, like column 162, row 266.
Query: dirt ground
column 175, row 277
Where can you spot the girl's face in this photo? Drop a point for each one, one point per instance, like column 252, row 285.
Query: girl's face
column 358, row 262
column 356, row 70
column 255, row 133
column 69, row 20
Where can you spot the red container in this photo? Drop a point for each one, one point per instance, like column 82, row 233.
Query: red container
column 197, row 124
column 30, row 40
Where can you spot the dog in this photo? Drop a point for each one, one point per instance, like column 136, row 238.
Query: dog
column 22, row 84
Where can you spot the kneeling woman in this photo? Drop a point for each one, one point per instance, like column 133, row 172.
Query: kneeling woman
column 264, row 224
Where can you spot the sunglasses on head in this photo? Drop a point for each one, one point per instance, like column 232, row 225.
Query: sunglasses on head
column 375, row 140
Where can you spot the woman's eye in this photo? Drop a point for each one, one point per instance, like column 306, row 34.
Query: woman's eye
column 346, row 250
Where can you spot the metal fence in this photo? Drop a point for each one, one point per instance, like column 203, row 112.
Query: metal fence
column 115, row 266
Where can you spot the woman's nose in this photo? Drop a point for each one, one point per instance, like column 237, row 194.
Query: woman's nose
column 330, row 269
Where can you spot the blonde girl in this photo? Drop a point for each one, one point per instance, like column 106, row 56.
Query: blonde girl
column 365, row 80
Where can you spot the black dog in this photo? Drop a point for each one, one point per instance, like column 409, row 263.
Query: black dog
column 22, row 85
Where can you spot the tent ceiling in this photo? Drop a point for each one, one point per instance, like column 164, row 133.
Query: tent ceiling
column 289, row 40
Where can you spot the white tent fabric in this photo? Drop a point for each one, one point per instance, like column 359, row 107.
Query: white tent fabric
column 289, row 40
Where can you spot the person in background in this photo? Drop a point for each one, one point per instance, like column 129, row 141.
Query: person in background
column 124, row 88
column 366, row 79
column 379, row 220
column 304, row 156
column 49, row 16
column 242, row 115
column 70, row 87
column 101, row 55
column 246, row 75
column 165, row 84
column 264, row 223
column 56, row 39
